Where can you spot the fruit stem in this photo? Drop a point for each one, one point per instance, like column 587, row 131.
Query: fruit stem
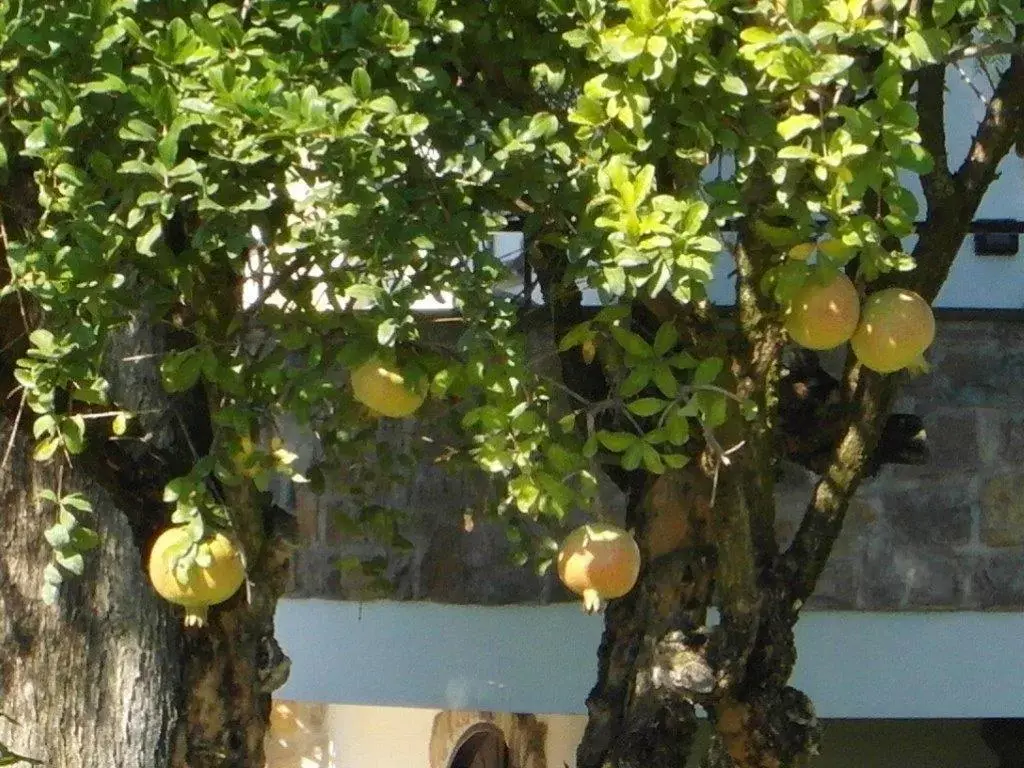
column 919, row 366
column 196, row 616
column 592, row 602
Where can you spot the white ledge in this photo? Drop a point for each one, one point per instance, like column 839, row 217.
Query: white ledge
column 543, row 659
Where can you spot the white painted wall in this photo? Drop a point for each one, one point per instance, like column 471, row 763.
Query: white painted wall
column 564, row 734
column 397, row 737
column 366, row 737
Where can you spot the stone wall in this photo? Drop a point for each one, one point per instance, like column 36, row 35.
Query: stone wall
column 946, row 535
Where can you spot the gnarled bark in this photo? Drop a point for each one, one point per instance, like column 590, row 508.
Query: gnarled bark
column 108, row 676
column 94, row 681
column 652, row 661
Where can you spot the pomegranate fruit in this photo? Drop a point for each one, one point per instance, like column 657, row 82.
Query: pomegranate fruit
column 384, row 391
column 205, row 586
column 896, row 327
column 599, row 561
column 824, row 315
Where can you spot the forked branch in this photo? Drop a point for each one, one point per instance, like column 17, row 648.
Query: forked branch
column 869, row 395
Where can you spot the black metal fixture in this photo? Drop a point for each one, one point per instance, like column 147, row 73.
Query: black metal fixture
column 996, row 237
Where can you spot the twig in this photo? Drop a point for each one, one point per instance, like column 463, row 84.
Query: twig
column 721, row 458
column 602, row 405
column 981, row 51
column 14, row 431
column 690, row 389
column 970, row 84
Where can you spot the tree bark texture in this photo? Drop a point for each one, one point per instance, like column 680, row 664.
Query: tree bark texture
column 108, row 676
column 94, row 681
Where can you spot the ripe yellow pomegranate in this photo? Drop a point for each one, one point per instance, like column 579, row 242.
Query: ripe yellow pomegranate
column 599, row 561
column 384, row 391
column 205, row 586
column 823, row 315
column 896, row 327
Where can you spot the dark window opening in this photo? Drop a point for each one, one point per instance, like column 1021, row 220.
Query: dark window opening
column 483, row 749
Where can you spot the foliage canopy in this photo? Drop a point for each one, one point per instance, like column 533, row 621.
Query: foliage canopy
column 275, row 187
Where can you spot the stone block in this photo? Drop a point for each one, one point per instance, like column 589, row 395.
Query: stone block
column 316, row 573
column 976, row 377
column 952, row 438
column 307, row 513
column 997, row 581
column 474, row 566
column 894, row 577
column 934, row 513
column 1006, row 431
column 1002, row 510
column 837, row 587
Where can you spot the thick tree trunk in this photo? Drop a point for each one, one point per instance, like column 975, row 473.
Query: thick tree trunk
column 659, row 661
column 94, row 681
column 652, row 665
column 108, row 676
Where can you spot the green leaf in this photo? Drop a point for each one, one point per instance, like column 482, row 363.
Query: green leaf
column 387, row 331
column 180, row 370
column 633, row 455
column 652, row 460
column 576, row 38
column 796, row 124
column 138, row 130
column 77, row 501
column 575, row 336
column 646, row 406
column 45, row 449
column 795, row 152
column 734, row 85
column 109, row 83
column 929, row 46
column 675, row 460
column 758, row 35
column 631, row 342
column 666, row 381
column 52, row 575
column 707, row 371
column 615, row 280
column 73, row 430
column 84, row 539
column 635, row 380
column 665, row 339
column 915, row 158
column 525, row 492
column 49, row 594
column 44, row 425
column 616, row 442
column 361, row 85
column 57, row 536
column 144, row 243
column 73, row 562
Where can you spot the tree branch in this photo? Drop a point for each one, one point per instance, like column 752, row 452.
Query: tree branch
column 931, row 109
column 996, row 134
column 871, row 395
column 744, row 525
column 986, row 50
